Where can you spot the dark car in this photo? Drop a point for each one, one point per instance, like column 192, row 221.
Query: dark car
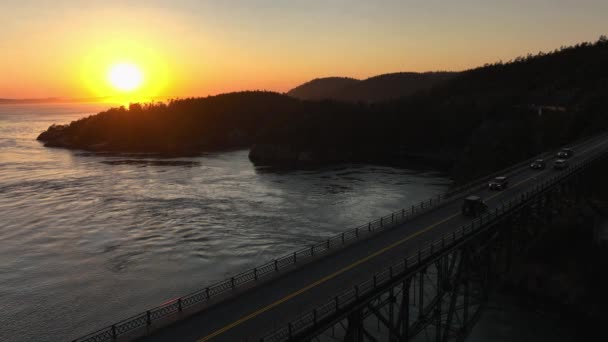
column 498, row 183
column 565, row 153
column 560, row 164
column 473, row 206
column 538, row 164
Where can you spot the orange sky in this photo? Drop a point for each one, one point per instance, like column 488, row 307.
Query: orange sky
column 195, row 48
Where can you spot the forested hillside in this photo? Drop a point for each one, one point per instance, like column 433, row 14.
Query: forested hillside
column 480, row 120
column 321, row 88
column 374, row 89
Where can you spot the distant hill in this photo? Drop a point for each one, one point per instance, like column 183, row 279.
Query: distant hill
column 322, row 88
column 24, row 101
column 374, row 89
column 98, row 99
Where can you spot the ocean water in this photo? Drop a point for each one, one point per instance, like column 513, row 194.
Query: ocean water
column 88, row 239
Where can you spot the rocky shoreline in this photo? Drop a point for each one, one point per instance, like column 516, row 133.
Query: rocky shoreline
column 274, row 154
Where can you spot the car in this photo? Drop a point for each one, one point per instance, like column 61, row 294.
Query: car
column 498, row 183
column 473, row 206
column 538, row 164
column 560, row 164
column 565, row 153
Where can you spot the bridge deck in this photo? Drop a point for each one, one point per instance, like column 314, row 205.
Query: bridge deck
column 258, row 310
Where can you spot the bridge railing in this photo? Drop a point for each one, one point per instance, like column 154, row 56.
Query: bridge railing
column 341, row 303
column 178, row 305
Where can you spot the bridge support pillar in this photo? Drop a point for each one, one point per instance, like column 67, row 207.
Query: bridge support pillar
column 403, row 319
column 355, row 329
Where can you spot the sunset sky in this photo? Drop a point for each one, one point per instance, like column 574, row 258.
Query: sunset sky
column 196, row 48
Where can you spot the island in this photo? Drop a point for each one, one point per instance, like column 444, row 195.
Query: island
column 469, row 123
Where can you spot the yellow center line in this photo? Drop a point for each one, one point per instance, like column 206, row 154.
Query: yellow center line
column 347, row 268
column 324, row 279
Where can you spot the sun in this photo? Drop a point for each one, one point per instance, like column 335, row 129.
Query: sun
column 125, row 77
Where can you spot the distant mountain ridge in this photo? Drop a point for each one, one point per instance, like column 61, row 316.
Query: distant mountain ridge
column 374, row 89
column 37, row 100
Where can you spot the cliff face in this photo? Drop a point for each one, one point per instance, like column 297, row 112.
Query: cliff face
column 273, row 154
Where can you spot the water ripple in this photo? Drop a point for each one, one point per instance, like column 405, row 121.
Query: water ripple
column 98, row 237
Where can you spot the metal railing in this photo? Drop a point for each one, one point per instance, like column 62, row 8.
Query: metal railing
column 342, row 303
column 176, row 306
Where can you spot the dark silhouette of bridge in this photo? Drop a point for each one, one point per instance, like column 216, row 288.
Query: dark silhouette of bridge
column 421, row 272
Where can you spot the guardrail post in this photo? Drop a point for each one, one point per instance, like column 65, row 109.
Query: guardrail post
column 255, row 273
column 276, row 265
column 374, row 281
column 342, row 238
column 393, row 218
column 369, row 226
column 381, row 223
column 207, row 292
column 328, row 243
column 148, row 318
column 422, row 205
column 114, row 335
column 179, row 304
column 289, row 329
column 312, row 250
column 314, row 316
column 357, row 232
column 295, row 258
column 390, row 271
column 232, row 282
column 402, row 213
column 337, row 303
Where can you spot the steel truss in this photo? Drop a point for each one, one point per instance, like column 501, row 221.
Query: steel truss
column 441, row 300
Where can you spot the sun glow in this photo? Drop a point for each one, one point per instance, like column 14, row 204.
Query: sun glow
column 119, row 70
column 125, row 77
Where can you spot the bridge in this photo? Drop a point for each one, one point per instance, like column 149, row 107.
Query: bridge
column 423, row 272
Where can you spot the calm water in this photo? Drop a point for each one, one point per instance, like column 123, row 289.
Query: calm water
column 89, row 239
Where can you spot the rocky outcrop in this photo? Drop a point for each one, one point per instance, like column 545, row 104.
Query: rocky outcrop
column 273, row 154
column 55, row 136
column 285, row 155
